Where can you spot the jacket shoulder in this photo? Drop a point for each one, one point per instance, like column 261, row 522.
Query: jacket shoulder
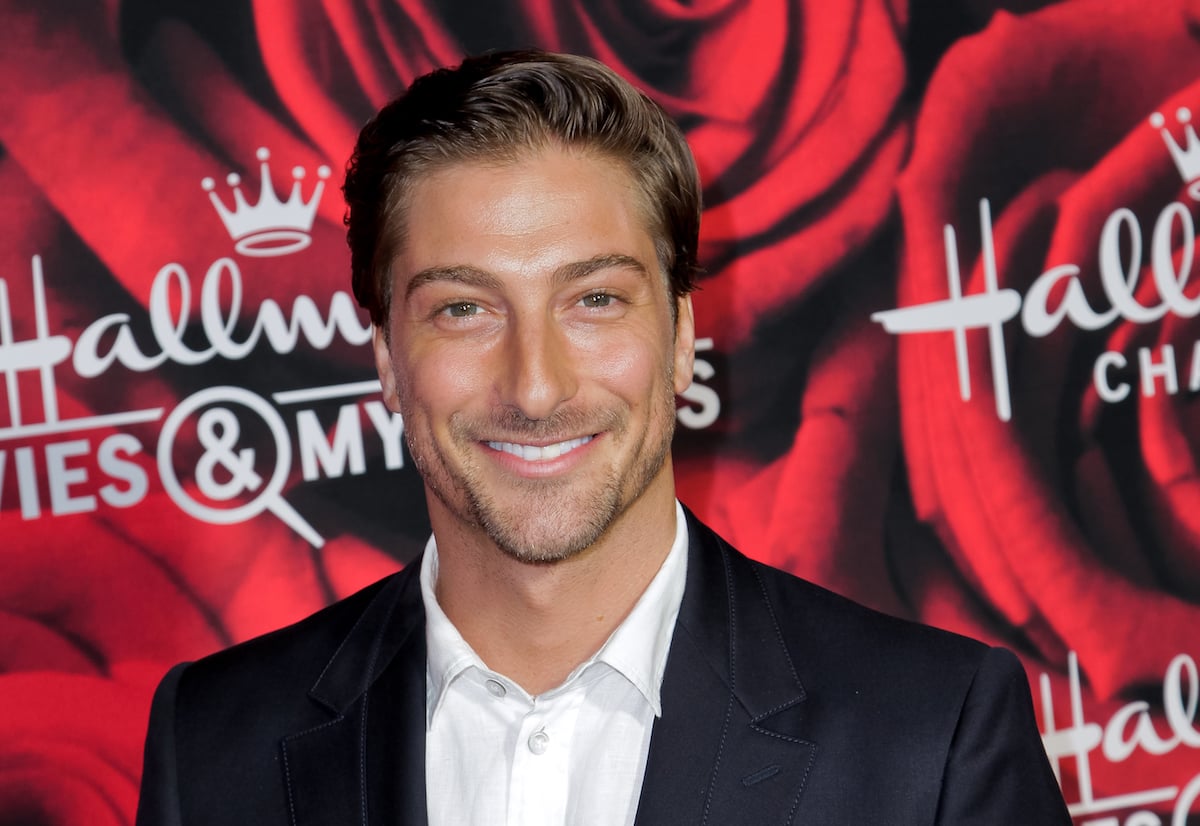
column 213, row 746
column 849, row 646
column 305, row 639
column 819, row 618
column 928, row 715
column 271, row 675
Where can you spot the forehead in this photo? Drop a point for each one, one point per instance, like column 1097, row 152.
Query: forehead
column 535, row 211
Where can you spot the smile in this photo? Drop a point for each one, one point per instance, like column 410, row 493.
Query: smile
column 534, row 453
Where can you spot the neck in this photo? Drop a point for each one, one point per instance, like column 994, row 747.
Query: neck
column 536, row 622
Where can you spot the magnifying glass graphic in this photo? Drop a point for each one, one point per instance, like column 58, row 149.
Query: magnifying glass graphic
column 219, row 429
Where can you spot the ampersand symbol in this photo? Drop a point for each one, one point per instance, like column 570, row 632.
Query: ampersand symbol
column 218, row 431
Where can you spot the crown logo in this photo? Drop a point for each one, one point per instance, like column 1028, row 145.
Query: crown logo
column 270, row 227
column 1186, row 157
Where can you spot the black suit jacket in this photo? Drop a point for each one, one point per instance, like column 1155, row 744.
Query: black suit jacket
column 782, row 704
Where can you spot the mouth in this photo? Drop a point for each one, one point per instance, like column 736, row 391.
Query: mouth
column 540, row 453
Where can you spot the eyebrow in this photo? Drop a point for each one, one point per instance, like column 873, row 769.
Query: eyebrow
column 475, row 277
column 459, row 274
column 607, row 261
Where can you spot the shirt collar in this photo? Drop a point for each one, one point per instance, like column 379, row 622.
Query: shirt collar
column 447, row 653
column 637, row 649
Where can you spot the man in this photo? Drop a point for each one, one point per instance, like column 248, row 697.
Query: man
column 573, row 648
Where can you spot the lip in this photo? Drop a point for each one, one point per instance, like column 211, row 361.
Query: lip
column 541, row 457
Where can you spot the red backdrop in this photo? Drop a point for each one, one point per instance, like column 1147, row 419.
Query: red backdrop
column 948, row 361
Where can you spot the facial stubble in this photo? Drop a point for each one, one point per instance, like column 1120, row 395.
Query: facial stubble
column 554, row 519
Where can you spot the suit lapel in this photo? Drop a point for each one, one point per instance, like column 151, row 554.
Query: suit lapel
column 730, row 746
column 366, row 764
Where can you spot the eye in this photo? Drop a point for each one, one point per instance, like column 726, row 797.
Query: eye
column 461, row 309
column 597, row 300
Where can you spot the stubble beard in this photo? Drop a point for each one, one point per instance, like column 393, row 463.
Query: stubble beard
column 551, row 520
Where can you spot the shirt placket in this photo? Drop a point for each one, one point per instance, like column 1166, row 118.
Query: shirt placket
column 541, row 762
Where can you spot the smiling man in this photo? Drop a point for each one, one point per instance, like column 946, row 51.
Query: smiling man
column 573, row 647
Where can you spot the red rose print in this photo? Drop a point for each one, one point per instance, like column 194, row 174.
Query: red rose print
column 1070, row 527
column 114, row 116
column 827, row 168
column 70, row 753
column 793, row 111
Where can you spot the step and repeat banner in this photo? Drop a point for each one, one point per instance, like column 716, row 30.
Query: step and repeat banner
column 948, row 360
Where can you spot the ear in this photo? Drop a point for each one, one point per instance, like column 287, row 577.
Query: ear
column 685, row 343
column 383, row 366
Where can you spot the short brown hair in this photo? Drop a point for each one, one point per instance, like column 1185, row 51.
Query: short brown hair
column 495, row 107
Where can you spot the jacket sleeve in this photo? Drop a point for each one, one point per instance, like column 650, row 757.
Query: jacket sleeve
column 158, row 802
column 997, row 772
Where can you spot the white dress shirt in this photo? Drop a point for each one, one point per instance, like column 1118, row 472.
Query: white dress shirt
column 574, row 755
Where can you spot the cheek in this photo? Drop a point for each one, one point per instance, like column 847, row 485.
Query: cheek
column 618, row 365
column 632, row 367
column 443, row 379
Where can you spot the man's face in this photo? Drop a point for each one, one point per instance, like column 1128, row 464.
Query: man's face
column 532, row 352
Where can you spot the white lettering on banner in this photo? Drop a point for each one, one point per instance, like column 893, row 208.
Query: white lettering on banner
column 126, row 483
column 218, row 323
column 330, row 455
column 62, row 477
column 1193, row 383
column 224, row 472
column 390, row 427
column 707, row 404
column 1164, row 369
column 1129, row 730
column 1172, row 253
column 1101, row 377
column 1119, row 278
column 345, row 445
column 42, row 354
column 218, row 429
column 114, row 459
column 31, row 507
column 1158, row 368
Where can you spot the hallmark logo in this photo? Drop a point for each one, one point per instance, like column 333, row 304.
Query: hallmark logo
column 270, row 227
column 1058, row 295
column 1128, row 731
column 59, row 467
column 1186, row 157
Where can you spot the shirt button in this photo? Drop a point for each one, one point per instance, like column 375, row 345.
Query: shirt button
column 539, row 741
column 495, row 688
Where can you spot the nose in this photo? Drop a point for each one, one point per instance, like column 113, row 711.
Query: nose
column 538, row 373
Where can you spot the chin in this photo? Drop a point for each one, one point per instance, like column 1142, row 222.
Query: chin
column 555, row 535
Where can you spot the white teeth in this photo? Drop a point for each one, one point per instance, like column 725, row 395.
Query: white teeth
column 534, row 453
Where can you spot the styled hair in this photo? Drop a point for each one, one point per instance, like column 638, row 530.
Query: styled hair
column 499, row 107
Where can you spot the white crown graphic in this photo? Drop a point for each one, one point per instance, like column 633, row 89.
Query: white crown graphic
column 1186, row 157
column 270, row 227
